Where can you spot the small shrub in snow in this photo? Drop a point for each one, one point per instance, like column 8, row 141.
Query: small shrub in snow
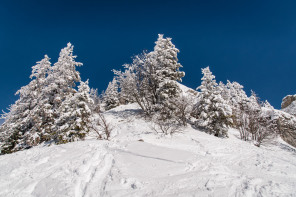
column 183, row 106
column 103, row 128
column 164, row 125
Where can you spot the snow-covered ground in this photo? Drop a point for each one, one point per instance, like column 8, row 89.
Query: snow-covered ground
column 191, row 163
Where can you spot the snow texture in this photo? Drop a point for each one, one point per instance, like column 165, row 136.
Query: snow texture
column 137, row 162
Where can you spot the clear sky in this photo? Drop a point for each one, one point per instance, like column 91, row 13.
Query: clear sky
column 251, row 42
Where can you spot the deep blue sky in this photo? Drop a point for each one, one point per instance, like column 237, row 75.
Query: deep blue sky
column 252, row 42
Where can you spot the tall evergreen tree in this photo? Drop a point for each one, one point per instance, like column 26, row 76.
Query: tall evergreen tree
column 236, row 97
column 164, row 60
column 212, row 111
column 75, row 115
column 23, row 121
column 61, row 83
column 32, row 119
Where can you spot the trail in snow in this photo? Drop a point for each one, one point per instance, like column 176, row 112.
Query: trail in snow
column 191, row 163
column 77, row 169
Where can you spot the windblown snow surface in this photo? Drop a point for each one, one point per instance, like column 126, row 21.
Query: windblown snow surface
column 190, row 163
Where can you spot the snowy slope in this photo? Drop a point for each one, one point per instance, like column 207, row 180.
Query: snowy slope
column 191, row 163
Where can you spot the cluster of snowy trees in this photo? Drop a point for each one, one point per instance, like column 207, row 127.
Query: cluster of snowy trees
column 51, row 109
column 151, row 80
column 222, row 106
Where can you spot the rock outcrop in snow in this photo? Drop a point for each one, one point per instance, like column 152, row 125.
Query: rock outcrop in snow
column 286, row 124
column 289, row 104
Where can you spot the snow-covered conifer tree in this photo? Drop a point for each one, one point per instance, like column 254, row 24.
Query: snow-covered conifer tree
column 111, row 95
column 235, row 96
column 225, row 92
column 75, row 116
column 23, row 121
column 40, row 72
column 65, row 75
column 96, row 107
column 212, row 111
column 236, row 93
column 61, row 82
column 164, row 60
column 164, row 74
column 127, row 83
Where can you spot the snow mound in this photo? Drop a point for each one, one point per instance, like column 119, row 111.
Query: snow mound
column 186, row 90
column 137, row 162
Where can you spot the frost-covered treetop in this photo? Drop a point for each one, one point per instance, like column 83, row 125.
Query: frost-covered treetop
column 164, row 43
column 208, row 80
column 66, row 65
column 165, row 59
column 84, row 87
column 42, row 68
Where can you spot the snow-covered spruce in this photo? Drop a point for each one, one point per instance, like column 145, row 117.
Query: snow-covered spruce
column 212, row 111
column 111, row 95
column 24, row 119
column 76, row 116
column 44, row 110
column 165, row 62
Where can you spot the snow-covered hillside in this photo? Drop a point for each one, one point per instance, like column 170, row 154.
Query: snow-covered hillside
column 137, row 162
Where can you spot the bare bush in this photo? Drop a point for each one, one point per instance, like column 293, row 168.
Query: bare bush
column 263, row 135
column 183, row 107
column 267, row 129
column 165, row 126
column 243, row 125
column 257, row 125
column 103, row 128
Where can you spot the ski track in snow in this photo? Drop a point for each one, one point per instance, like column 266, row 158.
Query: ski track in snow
column 190, row 163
